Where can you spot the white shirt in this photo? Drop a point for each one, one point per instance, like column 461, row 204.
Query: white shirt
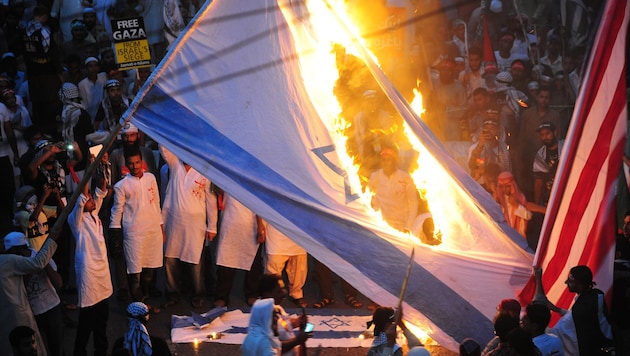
column 92, row 93
column 42, row 295
column 549, row 345
column 136, row 209
column 396, row 197
column 237, row 244
column 90, row 262
column 5, row 148
column 189, row 211
column 505, row 64
column 278, row 243
column 556, row 66
column 20, row 119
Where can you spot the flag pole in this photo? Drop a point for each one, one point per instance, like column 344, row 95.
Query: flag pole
column 57, row 227
column 403, row 289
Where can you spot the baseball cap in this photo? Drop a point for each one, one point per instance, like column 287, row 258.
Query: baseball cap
column 13, row 239
column 546, row 125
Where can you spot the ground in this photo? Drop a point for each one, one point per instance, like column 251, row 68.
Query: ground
column 159, row 325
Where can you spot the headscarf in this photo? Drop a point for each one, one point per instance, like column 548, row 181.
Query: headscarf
column 173, row 20
column 111, row 119
column 506, row 178
column 71, row 110
column 57, row 175
column 33, row 27
column 137, row 339
column 260, row 339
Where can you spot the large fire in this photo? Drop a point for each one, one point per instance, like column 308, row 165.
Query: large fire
column 334, row 69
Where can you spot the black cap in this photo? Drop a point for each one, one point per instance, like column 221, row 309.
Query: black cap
column 546, row 125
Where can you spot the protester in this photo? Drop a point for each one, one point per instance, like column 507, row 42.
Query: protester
column 22, row 340
column 92, row 270
column 136, row 216
column 384, row 342
column 190, row 219
column 283, row 254
column 272, row 286
column 240, row 247
column 41, row 288
column 535, row 321
column 510, row 307
column 16, row 310
column 137, row 340
column 395, row 194
column 585, row 328
column 262, row 331
column 513, row 203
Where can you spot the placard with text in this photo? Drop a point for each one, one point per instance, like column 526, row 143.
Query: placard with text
column 130, row 43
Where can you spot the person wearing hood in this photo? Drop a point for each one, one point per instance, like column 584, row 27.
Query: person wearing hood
column 262, row 331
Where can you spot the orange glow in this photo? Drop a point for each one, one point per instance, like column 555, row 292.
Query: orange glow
column 321, row 73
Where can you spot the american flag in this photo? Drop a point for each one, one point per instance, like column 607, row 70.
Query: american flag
column 580, row 227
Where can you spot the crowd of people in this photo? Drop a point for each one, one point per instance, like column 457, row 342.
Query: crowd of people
column 62, row 94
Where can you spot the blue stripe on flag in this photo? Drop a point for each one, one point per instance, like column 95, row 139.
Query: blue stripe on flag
column 316, row 334
column 173, row 123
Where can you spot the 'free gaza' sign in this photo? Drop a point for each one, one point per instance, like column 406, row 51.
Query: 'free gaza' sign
column 130, row 43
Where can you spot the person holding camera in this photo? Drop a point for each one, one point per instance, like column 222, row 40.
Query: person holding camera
column 48, row 170
column 50, row 164
column 490, row 148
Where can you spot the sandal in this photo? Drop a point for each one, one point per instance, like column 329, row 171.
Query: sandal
column 323, row 303
column 353, row 302
column 300, row 302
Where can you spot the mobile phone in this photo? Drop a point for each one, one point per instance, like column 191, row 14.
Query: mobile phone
column 309, row 327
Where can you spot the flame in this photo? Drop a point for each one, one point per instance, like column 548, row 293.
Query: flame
column 416, row 103
column 321, row 72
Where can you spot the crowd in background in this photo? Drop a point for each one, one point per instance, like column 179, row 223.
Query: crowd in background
column 500, row 78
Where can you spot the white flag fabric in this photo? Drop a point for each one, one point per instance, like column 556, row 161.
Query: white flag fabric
column 235, row 98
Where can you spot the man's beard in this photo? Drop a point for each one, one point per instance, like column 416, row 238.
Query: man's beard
column 132, row 144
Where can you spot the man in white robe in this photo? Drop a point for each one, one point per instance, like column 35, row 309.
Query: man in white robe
column 190, row 217
column 283, row 253
column 395, row 194
column 15, row 309
column 136, row 212
column 94, row 281
column 239, row 248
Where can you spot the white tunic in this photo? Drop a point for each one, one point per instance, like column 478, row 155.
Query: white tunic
column 92, row 93
column 396, row 197
column 42, row 295
column 136, row 209
column 237, row 245
column 91, row 266
column 278, row 243
column 189, row 210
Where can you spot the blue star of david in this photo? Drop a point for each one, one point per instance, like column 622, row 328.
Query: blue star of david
column 334, row 323
column 321, row 152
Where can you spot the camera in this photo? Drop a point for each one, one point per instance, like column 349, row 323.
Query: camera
column 64, row 146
